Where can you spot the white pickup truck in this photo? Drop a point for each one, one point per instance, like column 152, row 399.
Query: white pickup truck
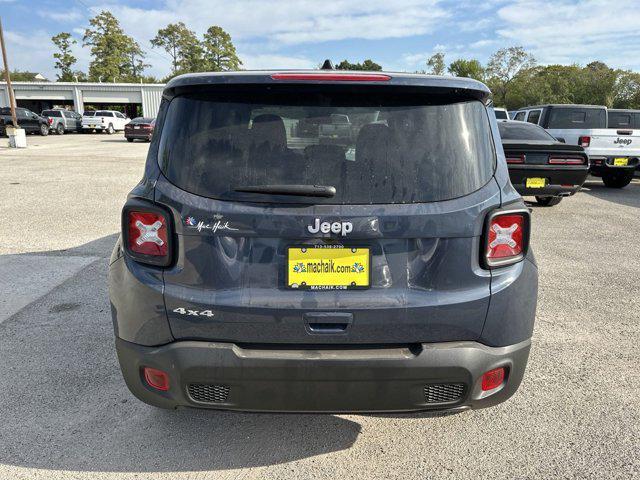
column 108, row 121
column 614, row 153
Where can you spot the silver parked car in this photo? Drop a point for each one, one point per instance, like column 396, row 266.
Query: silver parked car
column 61, row 121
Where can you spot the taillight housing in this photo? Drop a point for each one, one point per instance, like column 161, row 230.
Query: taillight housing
column 50, row 120
column 584, row 141
column 506, row 237
column 147, row 233
column 564, row 160
column 515, row 158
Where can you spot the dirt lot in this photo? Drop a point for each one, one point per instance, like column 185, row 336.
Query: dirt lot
column 66, row 413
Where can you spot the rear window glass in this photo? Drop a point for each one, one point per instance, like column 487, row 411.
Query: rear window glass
column 520, row 116
column 100, row 113
column 142, row 120
column 577, row 118
column 500, row 114
column 372, row 147
column 523, row 131
column 621, row 119
column 89, row 114
column 534, row 116
column 52, row 113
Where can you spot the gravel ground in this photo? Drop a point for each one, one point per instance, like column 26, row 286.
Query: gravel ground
column 66, row 413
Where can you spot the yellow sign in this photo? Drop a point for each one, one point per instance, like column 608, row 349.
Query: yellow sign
column 536, row 182
column 620, row 162
column 328, row 268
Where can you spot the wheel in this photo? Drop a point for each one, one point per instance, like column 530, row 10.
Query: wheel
column 60, row 129
column 130, row 140
column 44, row 130
column 548, row 201
column 110, row 129
column 617, row 179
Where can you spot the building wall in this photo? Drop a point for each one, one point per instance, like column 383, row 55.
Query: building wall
column 148, row 95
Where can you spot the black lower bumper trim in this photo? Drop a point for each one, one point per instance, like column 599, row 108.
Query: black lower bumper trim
column 560, row 180
column 321, row 380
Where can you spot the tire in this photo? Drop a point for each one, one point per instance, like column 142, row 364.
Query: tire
column 44, row 129
column 60, row 129
column 617, row 179
column 130, row 140
column 548, row 201
column 110, row 129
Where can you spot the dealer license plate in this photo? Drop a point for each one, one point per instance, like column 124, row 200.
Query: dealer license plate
column 536, row 182
column 620, row 162
column 328, row 267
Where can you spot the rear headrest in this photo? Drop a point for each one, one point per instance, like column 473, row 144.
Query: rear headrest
column 373, row 140
column 269, row 129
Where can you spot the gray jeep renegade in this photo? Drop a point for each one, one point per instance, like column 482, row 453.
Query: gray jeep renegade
column 319, row 241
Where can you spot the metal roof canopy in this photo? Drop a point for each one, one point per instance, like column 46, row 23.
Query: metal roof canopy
column 148, row 95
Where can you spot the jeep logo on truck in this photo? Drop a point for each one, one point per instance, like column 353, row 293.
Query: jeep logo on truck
column 622, row 141
column 325, row 227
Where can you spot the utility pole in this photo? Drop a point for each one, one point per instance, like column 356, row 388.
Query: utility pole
column 7, row 77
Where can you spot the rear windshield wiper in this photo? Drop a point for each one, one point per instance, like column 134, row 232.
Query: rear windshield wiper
column 301, row 190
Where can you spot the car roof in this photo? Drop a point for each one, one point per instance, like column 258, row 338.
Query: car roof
column 563, row 105
column 473, row 87
column 623, row 110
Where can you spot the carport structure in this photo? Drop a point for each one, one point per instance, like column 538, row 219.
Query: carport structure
column 131, row 98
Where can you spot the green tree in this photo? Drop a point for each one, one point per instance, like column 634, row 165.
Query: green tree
column 503, row 67
column 627, row 90
column 64, row 58
column 110, row 48
column 183, row 47
column 597, row 85
column 368, row 64
column 435, row 64
column 135, row 65
column 219, row 51
column 21, row 76
column 467, row 68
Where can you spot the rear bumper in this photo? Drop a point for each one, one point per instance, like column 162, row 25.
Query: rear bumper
column 564, row 180
column 389, row 379
column 601, row 164
column 137, row 135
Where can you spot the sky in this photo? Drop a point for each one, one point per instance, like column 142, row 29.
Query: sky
column 398, row 34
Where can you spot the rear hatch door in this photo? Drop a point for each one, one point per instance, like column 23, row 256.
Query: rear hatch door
column 391, row 257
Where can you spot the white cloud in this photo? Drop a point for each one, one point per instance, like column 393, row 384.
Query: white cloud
column 61, row 15
column 275, row 62
column 261, row 28
column 568, row 32
column 291, row 22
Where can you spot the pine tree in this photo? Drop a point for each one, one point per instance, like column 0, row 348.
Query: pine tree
column 64, row 58
column 219, row 51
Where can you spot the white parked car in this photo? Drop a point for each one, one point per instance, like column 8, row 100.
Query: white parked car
column 614, row 153
column 109, row 121
column 501, row 113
